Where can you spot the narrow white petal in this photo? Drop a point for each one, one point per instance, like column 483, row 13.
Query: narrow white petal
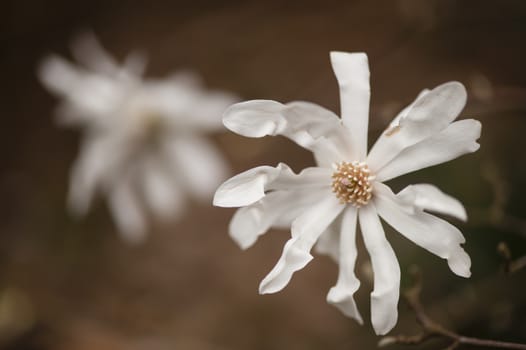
column 245, row 188
column 255, row 118
column 276, row 209
column 250, row 186
column 127, row 212
column 386, row 292
column 426, row 230
column 208, row 107
column 307, row 178
column 352, row 73
column 341, row 295
column 431, row 198
column 88, row 51
column 305, row 231
column 403, row 113
column 92, row 169
column 86, row 174
column 185, row 105
column 88, row 95
column 197, row 162
column 134, row 64
column 329, row 241
column 309, row 125
column 58, row 75
column 430, row 113
column 457, row 139
column 162, row 194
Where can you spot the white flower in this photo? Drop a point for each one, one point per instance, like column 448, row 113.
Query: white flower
column 323, row 204
column 142, row 144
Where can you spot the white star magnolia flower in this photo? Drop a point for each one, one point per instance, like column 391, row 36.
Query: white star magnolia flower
column 142, row 145
column 323, row 204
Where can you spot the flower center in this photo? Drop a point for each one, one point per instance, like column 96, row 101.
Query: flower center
column 145, row 128
column 351, row 182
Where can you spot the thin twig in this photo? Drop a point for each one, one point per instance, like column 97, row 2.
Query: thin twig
column 496, row 214
column 432, row 329
column 510, row 265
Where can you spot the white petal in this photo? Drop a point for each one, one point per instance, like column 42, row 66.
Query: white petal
column 426, row 230
column 384, row 298
column 245, row 188
column 352, row 73
column 431, row 198
column 457, row 139
column 250, row 186
column 197, row 162
column 87, row 50
column 341, row 295
column 134, row 64
column 186, row 104
column 309, row 125
column 276, row 209
column 87, row 94
column 58, row 75
column 403, row 113
column 305, row 231
column 429, row 114
column 99, row 156
column 127, row 212
column 329, row 241
column 209, row 106
column 161, row 192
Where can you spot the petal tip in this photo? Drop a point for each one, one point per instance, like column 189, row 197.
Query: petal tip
column 254, row 118
column 218, row 200
column 344, row 302
column 343, row 55
column 460, row 263
column 351, row 68
column 383, row 322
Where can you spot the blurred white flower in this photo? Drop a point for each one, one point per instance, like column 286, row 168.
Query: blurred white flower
column 142, row 144
column 323, row 204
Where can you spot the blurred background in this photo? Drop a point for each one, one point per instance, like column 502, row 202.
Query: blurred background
column 74, row 284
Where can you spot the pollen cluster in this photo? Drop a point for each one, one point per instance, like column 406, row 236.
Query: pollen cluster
column 351, row 182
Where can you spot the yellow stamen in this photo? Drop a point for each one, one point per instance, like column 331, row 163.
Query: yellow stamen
column 352, row 183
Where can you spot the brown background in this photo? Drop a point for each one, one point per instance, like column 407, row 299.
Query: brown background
column 69, row 284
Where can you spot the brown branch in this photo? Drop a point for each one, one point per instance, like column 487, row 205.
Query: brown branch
column 496, row 214
column 432, row 329
column 510, row 266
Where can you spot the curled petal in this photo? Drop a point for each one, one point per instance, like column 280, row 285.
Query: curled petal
column 426, row 230
column 431, row 198
column 309, row 125
column 305, row 231
column 386, row 292
column 352, row 73
column 429, row 114
column 341, row 295
column 250, row 186
column 457, row 139
column 276, row 209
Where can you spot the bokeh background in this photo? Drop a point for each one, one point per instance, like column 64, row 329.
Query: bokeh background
column 74, row 284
